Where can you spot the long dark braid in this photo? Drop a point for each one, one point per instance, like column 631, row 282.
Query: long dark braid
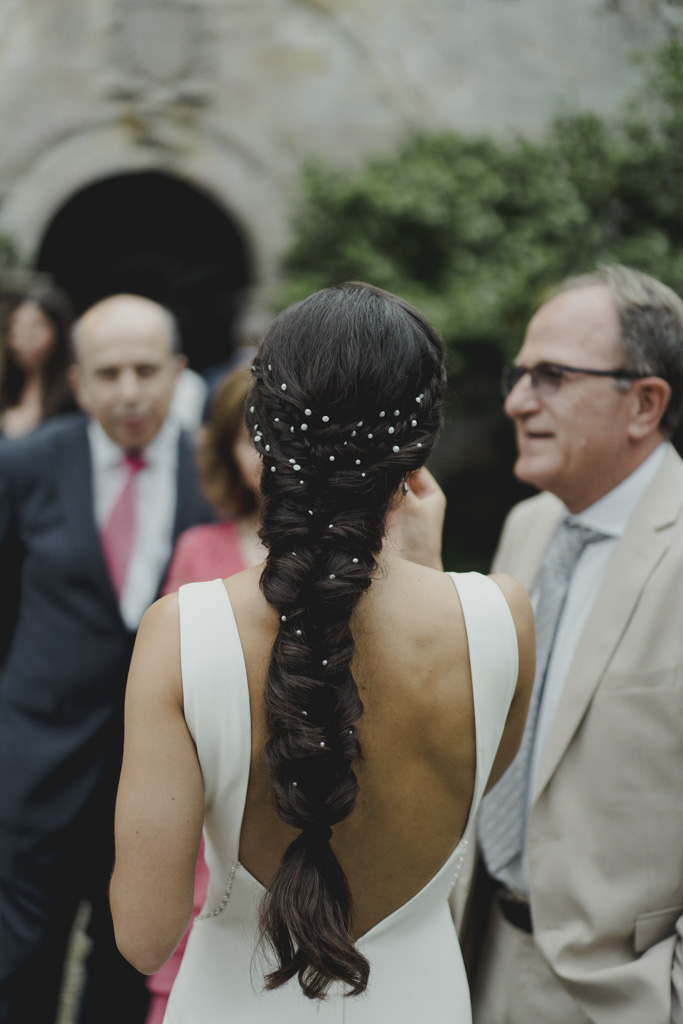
column 346, row 402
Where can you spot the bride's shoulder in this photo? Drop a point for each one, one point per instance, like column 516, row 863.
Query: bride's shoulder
column 517, row 600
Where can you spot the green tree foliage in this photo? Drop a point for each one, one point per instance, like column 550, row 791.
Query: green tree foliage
column 474, row 230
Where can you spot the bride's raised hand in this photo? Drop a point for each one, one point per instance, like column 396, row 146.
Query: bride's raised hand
column 415, row 524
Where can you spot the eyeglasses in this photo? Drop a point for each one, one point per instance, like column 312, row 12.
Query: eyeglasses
column 547, row 377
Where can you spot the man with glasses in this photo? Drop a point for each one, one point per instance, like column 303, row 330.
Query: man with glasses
column 582, row 839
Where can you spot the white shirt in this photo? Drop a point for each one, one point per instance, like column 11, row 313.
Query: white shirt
column 189, row 400
column 155, row 497
column 610, row 515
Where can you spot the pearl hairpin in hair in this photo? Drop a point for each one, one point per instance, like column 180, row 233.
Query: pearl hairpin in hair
column 251, row 408
column 381, row 415
column 307, row 412
column 283, row 387
column 283, row 618
column 395, row 448
column 355, row 561
column 397, row 412
column 324, row 662
column 332, row 576
column 304, row 426
column 413, row 423
column 326, row 419
column 391, row 430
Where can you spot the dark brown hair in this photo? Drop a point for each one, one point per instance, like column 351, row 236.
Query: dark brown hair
column 220, row 475
column 346, row 401
column 55, row 305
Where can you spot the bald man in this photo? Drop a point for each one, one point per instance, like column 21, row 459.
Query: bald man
column 90, row 507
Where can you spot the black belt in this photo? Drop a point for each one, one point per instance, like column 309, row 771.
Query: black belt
column 517, row 912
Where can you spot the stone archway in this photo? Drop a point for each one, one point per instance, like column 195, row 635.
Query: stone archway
column 155, row 235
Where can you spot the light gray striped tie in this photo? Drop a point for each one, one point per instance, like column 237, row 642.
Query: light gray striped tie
column 502, row 815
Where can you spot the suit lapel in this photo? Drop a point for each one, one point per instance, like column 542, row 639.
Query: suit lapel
column 186, row 486
column 646, row 540
column 521, row 556
column 75, row 484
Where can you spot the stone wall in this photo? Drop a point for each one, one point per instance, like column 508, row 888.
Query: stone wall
column 232, row 95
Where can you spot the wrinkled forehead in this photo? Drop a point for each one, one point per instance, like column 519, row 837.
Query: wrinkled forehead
column 577, row 327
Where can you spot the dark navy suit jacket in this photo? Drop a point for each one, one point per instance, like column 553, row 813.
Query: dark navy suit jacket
column 65, row 650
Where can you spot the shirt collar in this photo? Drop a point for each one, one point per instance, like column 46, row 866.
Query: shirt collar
column 106, row 454
column 611, row 514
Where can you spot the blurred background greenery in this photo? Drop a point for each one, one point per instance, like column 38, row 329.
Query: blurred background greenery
column 473, row 231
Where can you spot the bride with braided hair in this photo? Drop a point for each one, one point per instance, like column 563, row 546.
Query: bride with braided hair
column 330, row 718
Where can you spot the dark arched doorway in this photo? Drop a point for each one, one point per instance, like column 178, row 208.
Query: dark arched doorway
column 157, row 236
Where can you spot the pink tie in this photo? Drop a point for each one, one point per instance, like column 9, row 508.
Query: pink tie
column 119, row 534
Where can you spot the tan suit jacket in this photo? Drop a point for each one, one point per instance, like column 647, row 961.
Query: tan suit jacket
column 605, row 833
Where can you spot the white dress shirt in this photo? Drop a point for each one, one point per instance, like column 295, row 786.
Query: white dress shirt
column 610, row 515
column 155, row 499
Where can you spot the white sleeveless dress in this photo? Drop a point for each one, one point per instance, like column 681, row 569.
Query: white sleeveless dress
column 416, row 968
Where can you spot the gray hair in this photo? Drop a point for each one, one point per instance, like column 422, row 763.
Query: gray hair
column 651, row 327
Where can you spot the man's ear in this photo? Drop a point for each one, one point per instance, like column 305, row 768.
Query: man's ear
column 73, row 375
column 650, row 398
column 181, row 363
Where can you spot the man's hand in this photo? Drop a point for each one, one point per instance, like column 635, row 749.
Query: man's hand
column 415, row 524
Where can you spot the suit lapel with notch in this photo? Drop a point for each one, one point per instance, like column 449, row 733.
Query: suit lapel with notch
column 186, row 486
column 521, row 553
column 191, row 505
column 75, row 484
column 641, row 548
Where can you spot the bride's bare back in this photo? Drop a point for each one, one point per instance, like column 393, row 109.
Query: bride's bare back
column 417, row 735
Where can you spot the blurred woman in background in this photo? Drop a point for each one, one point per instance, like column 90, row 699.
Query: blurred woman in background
column 33, row 382
column 229, row 470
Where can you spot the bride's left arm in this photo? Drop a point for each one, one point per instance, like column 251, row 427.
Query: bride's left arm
column 159, row 808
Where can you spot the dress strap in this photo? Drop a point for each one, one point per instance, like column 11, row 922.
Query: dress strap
column 216, row 705
column 494, row 664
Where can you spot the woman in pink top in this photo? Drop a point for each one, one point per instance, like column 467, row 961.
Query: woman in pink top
column 229, row 469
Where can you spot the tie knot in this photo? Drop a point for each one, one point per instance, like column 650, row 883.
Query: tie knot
column 133, row 463
column 568, row 543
